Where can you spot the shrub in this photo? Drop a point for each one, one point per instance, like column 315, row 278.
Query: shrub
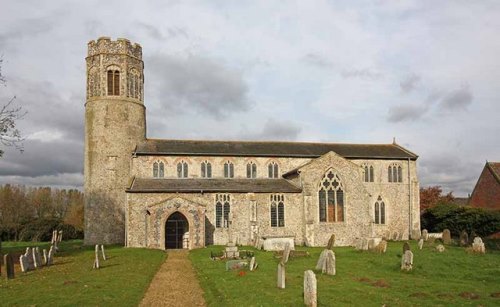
column 41, row 230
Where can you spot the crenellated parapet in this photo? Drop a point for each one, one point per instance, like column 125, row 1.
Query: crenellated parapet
column 104, row 45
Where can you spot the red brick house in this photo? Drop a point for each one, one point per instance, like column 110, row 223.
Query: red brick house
column 486, row 193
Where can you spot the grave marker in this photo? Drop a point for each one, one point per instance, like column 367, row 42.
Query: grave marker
column 407, row 261
column 446, row 236
column 23, row 261
column 310, row 289
column 406, row 247
column 103, row 253
column 331, row 242
column 425, row 235
column 96, row 261
column 420, row 243
column 9, row 266
column 464, row 238
column 281, row 276
column 440, row 248
column 478, row 246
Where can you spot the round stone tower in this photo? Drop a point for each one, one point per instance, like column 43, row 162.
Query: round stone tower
column 114, row 123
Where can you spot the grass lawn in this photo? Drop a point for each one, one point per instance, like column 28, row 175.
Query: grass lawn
column 121, row 281
column 363, row 278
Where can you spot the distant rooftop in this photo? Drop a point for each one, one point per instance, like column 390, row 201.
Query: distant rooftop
column 271, row 149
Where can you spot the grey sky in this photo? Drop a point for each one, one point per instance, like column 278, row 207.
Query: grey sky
column 425, row 72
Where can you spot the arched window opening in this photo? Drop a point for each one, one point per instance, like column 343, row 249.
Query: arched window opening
column 395, row 173
column 206, row 169
column 158, row 169
column 113, row 82
column 182, row 169
column 331, row 199
column 368, row 173
column 277, row 210
column 379, row 211
column 251, row 170
column 273, row 170
column 228, row 170
column 222, row 210
column 155, row 170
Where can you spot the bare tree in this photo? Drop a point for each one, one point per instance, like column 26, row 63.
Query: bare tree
column 9, row 115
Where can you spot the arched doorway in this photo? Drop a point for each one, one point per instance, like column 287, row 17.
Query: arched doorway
column 176, row 227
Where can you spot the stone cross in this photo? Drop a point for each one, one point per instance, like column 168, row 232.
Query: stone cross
column 96, row 261
column 103, row 253
column 9, row 266
column 425, row 235
column 407, row 261
column 281, row 276
column 331, row 242
column 446, row 236
column 310, row 289
column 420, row 243
column 23, row 261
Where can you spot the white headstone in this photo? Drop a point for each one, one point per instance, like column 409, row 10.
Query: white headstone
column 310, row 289
column 252, row 263
column 286, row 253
column 425, row 235
column 103, row 253
column 281, row 276
column 35, row 257
column 420, row 243
column 96, row 261
column 407, row 261
column 23, row 261
column 45, row 257
column 50, row 256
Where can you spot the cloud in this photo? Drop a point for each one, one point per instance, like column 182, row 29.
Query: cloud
column 406, row 113
column 24, row 28
column 66, row 180
column 317, row 60
column 365, row 74
column 198, row 84
column 409, row 83
column 274, row 130
column 458, row 99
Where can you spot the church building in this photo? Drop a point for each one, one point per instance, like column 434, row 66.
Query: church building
column 170, row 193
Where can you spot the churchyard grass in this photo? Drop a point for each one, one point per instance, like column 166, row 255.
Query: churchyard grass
column 362, row 279
column 71, row 281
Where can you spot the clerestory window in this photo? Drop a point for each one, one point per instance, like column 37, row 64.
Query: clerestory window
column 273, row 170
column 228, row 170
column 251, row 170
column 182, row 169
column 206, row 169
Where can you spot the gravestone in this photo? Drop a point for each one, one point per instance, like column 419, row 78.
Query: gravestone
column 50, row 256
column 407, row 261
column 59, row 236
column 36, row 263
column 286, row 254
column 381, row 247
column 29, row 257
column 406, row 247
column 395, row 236
column 38, row 256
column 45, row 257
column 326, row 262
column 281, row 276
column 23, row 261
column 96, row 261
column 103, row 253
column 420, row 243
column 478, row 246
column 440, row 248
column 446, row 236
column 252, row 264
column 310, row 289
column 472, row 236
column 9, row 266
column 331, row 242
column 236, row 264
column 464, row 238
column 425, row 235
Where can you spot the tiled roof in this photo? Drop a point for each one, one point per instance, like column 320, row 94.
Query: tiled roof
column 271, row 149
column 495, row 169
column 152, row 185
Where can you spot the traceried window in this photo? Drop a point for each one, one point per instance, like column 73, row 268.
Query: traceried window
column 206, row 169
column 331, row 198
column 113, row 82
column 228, row 170
column 251, row 170
column 277, row 210
column 158, row 169
column 182, row 169
column 395, row 173
column 273, row 170
column 379, row 211
column 368, row 173
column 222, row 209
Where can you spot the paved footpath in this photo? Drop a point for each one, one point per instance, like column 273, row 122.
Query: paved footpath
column 175, row 284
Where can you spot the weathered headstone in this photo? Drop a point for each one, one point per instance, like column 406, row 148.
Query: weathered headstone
column 96, row 261
column 286, row 254
column 326, row 262
column 446, row 236
column 35, row 258
column 59, row 236
column 38, row 256
column 395, row 236
column 23, row 261
column 236, row 264
column 420, row 243
column 464, row 238
column 381, row 247
column 281, row 276
column 29, row 257
column 478, row 246
column 50, row 256
column 440, row 248
column 310, row 289
column 9, row 266
column 425, row 235
column 103, row 253
column 406, row 247
column 252, row 264
column 45, row 257
column 331, row 242
column 407, row 261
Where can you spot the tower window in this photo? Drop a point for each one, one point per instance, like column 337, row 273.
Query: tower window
column 251, row 170
column 228, row 170
column 113, row 82
column 272, row 170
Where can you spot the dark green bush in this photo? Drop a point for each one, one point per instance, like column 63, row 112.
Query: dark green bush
column 448, row 216
column 41, row 230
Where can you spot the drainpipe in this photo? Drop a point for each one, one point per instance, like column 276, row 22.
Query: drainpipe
column 409, row 202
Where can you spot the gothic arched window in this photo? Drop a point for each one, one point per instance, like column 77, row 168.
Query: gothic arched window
column 222, row 209
column 368, row 173
column 379, row 211
column 272, row 170
column 113, row 82
column 395, row 173
column 251, row 170
column 331, row 198
column 228, row 169
column 206, row 169
column 277, row 210
column 158, row 169
column 182, row 169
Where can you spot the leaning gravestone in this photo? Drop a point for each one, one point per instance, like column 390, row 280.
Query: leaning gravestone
column 96, row 260
column 281, row 276
column 36, row 264
column 420, row 243
column 59, row 236
column 252, row 264
column 446, row 236
column 286, row 254
column 38, row 256
column 407, row 261
column 310, row 289
column 478, row 246
column 425, row 235
column 326, row 262
column 50, row 256
column 23, row 261
column 331, row 242
column 103, row 253
column 9, row 266
column 464, row 238
column 406, row 247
